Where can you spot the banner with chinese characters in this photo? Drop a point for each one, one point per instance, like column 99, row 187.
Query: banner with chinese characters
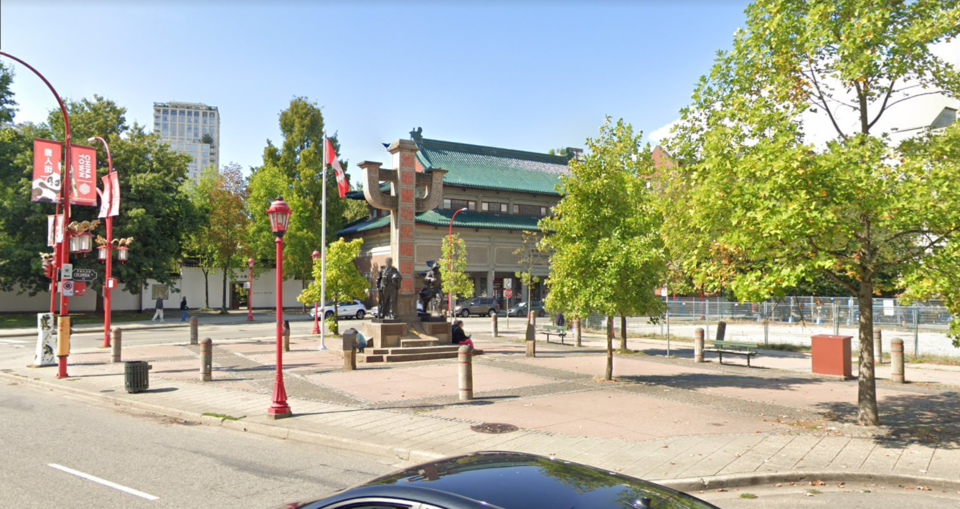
column 83, row 181
column 45, row 187
column 110, row 196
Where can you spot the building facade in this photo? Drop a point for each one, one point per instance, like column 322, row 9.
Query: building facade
column 190, row 128
column 505, row 193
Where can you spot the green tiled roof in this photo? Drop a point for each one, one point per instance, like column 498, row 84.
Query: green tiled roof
column 493, row 168
column 440, row 217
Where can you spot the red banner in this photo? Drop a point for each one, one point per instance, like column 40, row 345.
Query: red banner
column 83, row 184
column 47, row 155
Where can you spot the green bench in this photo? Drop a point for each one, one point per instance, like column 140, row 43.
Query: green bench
column 554, row 330
column 733, row 348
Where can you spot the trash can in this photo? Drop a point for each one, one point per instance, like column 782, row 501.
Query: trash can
column 136, row 376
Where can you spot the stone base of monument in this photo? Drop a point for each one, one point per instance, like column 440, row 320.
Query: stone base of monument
column 433, row 319
column 384, row 334
column 420, row 342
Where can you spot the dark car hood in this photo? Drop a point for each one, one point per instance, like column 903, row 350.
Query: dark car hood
column 525, row 481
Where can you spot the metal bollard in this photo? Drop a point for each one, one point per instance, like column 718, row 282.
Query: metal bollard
column 493, row 326
column 206, row 360
column 721, row 330
column 698, row 345
column 194, row 332
column 877, row 347
column 896, row 361
column 286, row 336
column 531, row 337
column 465, row 357
column 116, row 336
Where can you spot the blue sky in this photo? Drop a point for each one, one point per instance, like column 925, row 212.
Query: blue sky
column 527, row 75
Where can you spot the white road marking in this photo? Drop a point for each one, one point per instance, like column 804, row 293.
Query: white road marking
column 104, row 482
column 12, row 342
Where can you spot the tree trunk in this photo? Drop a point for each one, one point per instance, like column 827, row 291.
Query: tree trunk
column 609, row 373
column 100, row 305
column 578, row 330
column 223, row 300
column 867, row 414
column 206, row 288
column 623, row 332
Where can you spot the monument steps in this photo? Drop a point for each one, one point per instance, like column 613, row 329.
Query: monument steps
column 409, row 354
column 415, row 343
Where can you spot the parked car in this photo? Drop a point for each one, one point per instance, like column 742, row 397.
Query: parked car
column 354, row 309
column 506, row 480
column 521, row 309
column 477, row 306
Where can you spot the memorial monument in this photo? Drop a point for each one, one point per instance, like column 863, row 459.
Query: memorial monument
column 398, row 312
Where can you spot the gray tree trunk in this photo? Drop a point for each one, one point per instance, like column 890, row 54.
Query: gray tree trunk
column 608, row 375
column 867, row 414
column 623, row 332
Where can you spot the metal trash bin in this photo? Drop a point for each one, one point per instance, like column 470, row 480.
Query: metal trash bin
column 136, row 376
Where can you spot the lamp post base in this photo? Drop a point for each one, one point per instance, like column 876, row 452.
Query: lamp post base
column 279, row 413
column 62, row 368
column 279, row 408
column 249, row 318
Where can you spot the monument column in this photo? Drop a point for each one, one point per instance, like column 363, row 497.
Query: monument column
column 402, row 225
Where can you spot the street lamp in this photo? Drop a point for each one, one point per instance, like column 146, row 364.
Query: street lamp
column 450, row 244
column 279, row 213
column 63, row 343
column 104, row 252
column 250, row 291
column 316, row 314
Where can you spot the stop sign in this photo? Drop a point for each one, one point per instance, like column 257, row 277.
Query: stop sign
column 508, row 293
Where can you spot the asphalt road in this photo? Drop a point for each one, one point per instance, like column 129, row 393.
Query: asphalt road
column 852, row 496
column 64, row 451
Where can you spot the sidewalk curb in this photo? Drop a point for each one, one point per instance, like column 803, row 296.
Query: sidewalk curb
column 283, row 433
column 695, row 484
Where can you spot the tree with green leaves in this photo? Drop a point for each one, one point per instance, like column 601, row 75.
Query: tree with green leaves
column 221, row 196
column 8, row 106
column 453, row 269
column 767, row 201
column 604, row 236
column 527, row 257
column 293, row 170
column 154, row 209
column 344, row 281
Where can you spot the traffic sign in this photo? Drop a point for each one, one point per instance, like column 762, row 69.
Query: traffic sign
column 508, row 293
column 79, row 288
column 86, row 275
column 66, row 288
column 508, row 283
column 66, row 271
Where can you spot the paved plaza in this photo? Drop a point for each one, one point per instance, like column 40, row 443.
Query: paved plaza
column 663, row 418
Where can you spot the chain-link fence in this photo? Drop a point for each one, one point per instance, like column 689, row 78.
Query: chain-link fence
column 923, row 326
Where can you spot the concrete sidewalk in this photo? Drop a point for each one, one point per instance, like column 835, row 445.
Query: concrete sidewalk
column 664, row 419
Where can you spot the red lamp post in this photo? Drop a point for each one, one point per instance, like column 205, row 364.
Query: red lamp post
column 316, row 313
column 250, row 291
column 450, row 243
column 279, row 213
column 106, row 254
column 63, row 350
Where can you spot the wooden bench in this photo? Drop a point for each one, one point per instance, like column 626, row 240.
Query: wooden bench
column 554, row 330
column 733, row 348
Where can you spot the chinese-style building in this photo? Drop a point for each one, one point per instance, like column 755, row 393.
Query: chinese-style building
column 505, row 192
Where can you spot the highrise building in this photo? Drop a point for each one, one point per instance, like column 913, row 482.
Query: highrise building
column 190, row 128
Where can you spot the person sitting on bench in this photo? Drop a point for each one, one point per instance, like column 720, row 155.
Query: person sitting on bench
column 460, row 337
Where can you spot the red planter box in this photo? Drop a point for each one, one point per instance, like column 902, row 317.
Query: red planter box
column 831, row 356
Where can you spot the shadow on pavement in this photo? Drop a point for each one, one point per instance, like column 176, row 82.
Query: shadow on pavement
column 695, row 381
column 923, row 418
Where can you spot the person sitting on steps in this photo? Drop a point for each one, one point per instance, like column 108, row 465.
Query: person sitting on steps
column 460, row 337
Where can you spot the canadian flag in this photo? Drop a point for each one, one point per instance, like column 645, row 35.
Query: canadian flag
column 342, row 185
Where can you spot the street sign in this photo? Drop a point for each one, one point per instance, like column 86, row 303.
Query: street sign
column 111, row 283
column 508, row 283
column 508, row 293
column 79, row 288
column 86, row 275
column 66, row 288
column 66, row 271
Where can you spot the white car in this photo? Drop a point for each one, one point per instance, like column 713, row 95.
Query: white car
column 354, row 309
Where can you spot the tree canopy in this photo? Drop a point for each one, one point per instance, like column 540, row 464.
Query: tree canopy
column 607, row 255
column 344, row 281
column 765, row 205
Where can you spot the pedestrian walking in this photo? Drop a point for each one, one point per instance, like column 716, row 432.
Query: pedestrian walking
column 159, row 312
column 183, row 308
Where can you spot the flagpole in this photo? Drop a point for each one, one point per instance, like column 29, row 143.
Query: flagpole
column 323, row 243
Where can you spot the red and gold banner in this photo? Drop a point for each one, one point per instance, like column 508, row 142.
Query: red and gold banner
column 83, row 183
